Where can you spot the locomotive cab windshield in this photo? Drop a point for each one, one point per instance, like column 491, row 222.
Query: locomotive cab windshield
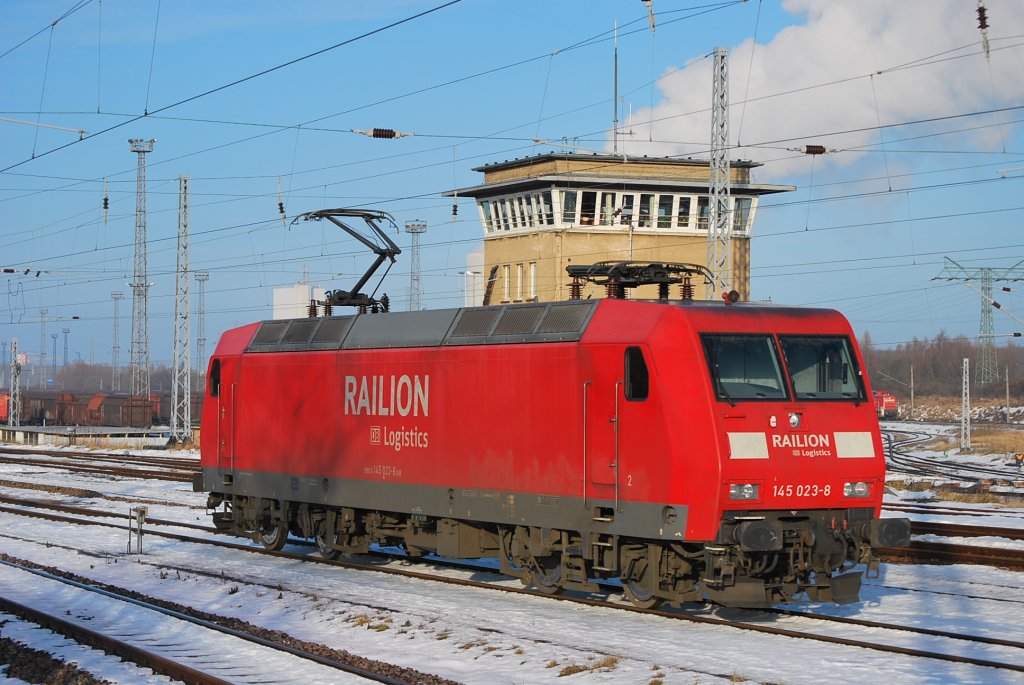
column 744, row 367
column 822, row 368
column 748, row 367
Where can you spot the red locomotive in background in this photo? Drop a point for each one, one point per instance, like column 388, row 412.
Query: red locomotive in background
column 690, row 449
column 886, row 405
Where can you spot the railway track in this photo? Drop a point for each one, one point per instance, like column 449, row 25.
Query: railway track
column 951, row 509
column 180, row 473
column 897, row 455
column 173, row 641
column 898, row 645
column 115, row 457
column 921, row 552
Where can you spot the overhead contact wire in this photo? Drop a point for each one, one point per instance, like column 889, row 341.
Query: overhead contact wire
column 238, row 82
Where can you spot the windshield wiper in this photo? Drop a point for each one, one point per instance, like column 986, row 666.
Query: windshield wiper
column 721, row 388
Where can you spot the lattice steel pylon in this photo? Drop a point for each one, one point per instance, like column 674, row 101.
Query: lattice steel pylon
column 986, row 370
column 140, row 282
column 415, row 229
column 115, row 348
column 181, row 372
column 201, row 279
column 720, row 224
column 14, row 402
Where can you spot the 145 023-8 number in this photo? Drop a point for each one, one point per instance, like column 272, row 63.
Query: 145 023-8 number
column 802, row 490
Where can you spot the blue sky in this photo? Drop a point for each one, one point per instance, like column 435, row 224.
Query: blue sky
column 925, row 152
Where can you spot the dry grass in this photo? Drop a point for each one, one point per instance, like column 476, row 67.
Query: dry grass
column 572, row 669
column 996, row 440
column 607, row 663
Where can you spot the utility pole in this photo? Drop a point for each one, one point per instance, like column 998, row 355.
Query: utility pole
column 415, row 229
column 14, row 403
column 965, row 408
column 720, row 226
column 140, row 283
column 53, row 364
column 115, row 349
column 201, row 278
column 181, row 373
column 987, row 371
column 42, row 347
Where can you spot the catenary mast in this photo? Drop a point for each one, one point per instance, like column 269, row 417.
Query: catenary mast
column 140, row 283
column 181, row 381
column 720, row 225
column 415, row 229
column 115, row 348
column 201, row 278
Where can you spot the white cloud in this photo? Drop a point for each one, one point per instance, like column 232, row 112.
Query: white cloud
column 812, row 81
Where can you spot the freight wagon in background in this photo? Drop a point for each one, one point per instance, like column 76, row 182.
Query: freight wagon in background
column 56, row 408
column 689, row 449
column 886, row 405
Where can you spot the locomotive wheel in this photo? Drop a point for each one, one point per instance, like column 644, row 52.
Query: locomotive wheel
column 639, row 596
column 273, row 537
column 546, row 574
column 324, row 547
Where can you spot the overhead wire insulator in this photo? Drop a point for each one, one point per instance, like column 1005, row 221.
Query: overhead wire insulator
column 382, row 133
column 983, row 26
column 814, row 150
column 280, row 204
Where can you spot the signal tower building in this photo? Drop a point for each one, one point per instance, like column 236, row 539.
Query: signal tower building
column 543, row 213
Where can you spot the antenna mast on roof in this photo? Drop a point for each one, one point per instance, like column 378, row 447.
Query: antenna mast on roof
column 615, row 94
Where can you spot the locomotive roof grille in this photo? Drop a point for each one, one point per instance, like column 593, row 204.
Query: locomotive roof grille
column 474, row 322
column 519, row 320
column 550, row 322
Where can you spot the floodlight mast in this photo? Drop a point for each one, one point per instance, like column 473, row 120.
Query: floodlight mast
column 388, row 251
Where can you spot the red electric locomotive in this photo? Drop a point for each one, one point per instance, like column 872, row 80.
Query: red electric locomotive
column 690, row 449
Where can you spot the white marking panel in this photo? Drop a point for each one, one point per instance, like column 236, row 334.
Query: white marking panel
column 748, row 446
column 855, row 445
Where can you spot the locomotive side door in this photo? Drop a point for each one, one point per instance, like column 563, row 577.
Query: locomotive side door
column 223, row 388
column 617, row 420
column 601, row 388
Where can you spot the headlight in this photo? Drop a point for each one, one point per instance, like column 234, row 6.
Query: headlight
column 795, row 420
column 744, row 491
column 859, row 489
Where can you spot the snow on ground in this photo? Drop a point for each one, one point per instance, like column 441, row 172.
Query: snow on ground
column 482, row 636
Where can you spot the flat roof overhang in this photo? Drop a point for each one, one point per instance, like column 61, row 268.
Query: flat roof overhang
column 521, row 185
